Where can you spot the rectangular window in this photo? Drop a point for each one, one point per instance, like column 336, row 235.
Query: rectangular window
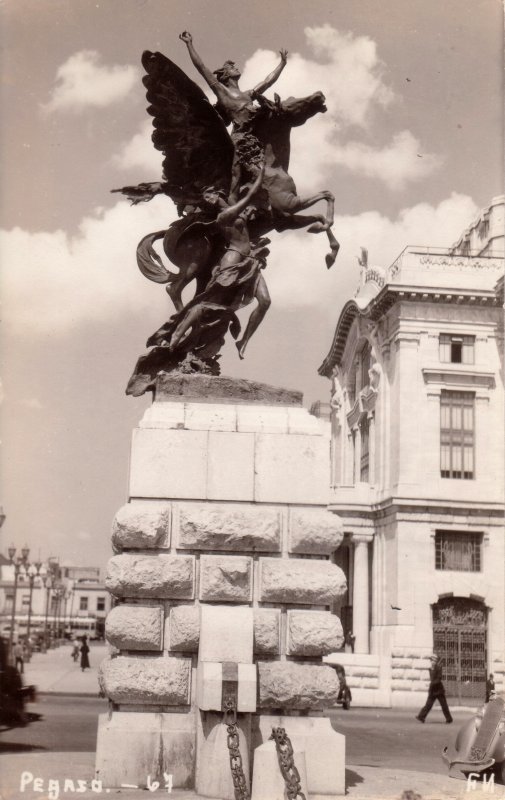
column 100, row 604
column 455, row 349
column 83, row 604
column 25, row 600
column 365, row 457
column 457, row 434
column 458, row 551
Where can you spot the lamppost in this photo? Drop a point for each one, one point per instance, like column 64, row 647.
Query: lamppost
column 48, row 585
column 33, row 572
column 59, row 591
column 21, row 562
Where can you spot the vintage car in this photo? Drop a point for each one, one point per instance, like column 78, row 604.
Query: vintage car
column 480, row 743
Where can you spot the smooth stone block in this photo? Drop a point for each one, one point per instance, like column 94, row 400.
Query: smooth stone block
column 298, row 580
column 210, row 416
column 132, row 627
column 268, row 782
column 146, row 680
column 266, row 631
column 213, row 773
column 230, row 466
column 313, row 633
column 323, row 747
column 219, row 526
column 292, row 468
column 162, row 576
column 183, row 629
column 300, row 421
column 314, row 531
column 287, row 685
column 226, row 634
column 141, row 526
column 225, row 578
column 132, row 746
column 209, row 686
column 168, row 463
column 262, row 419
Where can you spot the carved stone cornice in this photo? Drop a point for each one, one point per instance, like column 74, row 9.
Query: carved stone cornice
column 450, row 375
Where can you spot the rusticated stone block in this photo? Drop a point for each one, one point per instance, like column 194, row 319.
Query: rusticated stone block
column 313, row 633
column 314, row 531
column 131, row 627
column 266, row 631
column 286, row 685
column 150, row 681
column 139, row 526
column 216, row 526
column 225, row 578
column 300, row 581
column 183, row 632
column 162, row 576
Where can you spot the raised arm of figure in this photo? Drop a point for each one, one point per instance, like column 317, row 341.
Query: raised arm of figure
column 231, row 213
column 204, row 71
column 270, row 79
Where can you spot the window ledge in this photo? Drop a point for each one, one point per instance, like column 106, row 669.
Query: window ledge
column 458, row 375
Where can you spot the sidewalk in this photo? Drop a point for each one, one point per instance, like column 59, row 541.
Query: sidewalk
column 362, row 782
column 55, row 672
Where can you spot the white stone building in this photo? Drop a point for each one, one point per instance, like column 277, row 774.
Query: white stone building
column 417, row 400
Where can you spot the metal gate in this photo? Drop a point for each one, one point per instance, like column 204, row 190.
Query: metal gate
column 460, row 637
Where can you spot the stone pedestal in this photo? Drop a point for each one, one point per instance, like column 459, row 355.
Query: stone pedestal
column 226, row 509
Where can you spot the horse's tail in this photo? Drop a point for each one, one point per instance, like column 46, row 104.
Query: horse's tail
column 150, row 263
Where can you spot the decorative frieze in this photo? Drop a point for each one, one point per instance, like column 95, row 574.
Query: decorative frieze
column 161, row 576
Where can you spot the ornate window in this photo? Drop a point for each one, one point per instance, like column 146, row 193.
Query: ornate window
column 455, row 349
column 458, row 551
column 457, row 434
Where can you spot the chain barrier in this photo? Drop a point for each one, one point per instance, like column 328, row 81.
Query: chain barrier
column 233, row 741
column 287, row 764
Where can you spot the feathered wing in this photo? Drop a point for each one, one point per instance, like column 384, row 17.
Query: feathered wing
column 197, row 149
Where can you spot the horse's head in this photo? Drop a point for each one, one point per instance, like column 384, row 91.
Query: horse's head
column 299, row 109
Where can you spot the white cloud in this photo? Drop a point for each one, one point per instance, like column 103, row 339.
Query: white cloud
column 82, row 82
column 139, row 153
column 32, row 402
column 54, row 283
column 395, row 164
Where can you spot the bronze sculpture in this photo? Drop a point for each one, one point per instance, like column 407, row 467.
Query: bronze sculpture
column 230, row 189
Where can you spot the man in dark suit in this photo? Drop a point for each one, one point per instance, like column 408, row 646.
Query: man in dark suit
column 435, row 692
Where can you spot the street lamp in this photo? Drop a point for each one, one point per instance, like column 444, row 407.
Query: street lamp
column 48, row 585
column 21, row 562
column 33, row 572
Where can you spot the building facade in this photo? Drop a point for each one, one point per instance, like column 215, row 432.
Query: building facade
column 417, row 403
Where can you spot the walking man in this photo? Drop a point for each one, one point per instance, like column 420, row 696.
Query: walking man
column 435, row 692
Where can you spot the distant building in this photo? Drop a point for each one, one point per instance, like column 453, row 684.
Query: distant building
column 417, row 419
column 73, row 598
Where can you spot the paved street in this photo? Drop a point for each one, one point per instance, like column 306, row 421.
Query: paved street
column 374, row 737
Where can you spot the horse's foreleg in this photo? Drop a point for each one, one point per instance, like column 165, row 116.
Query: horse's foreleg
column 334, row 248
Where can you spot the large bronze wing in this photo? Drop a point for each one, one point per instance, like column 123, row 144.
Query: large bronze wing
column 197, row 148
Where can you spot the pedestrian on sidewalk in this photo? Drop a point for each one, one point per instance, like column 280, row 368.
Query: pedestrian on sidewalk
column 75, row 651
column 436, row 691
column 19, row 656
column 490, row 688
column 84, row 654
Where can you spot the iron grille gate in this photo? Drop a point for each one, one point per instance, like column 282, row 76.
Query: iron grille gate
column 463, row 650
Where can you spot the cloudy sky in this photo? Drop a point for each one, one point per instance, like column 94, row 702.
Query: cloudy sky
column 411, row 147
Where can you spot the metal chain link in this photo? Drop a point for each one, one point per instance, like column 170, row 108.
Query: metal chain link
column 287, row 764
column 233, row 741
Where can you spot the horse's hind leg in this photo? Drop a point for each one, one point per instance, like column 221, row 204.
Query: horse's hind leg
column 303, row 203
column 334, row 248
